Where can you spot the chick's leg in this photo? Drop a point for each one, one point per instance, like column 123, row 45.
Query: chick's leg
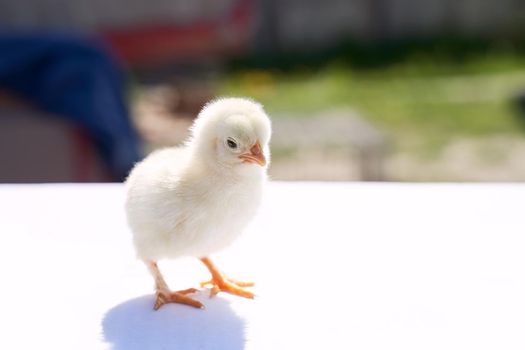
column 220, row 283
column 165, row 295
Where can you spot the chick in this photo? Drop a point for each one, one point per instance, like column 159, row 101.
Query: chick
column 196, row 199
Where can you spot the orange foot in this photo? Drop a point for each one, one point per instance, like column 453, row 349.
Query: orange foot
column 179, row 297
column 220, row 283
column 223, row 284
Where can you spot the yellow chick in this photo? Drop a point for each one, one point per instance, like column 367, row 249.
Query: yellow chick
column 195, row 200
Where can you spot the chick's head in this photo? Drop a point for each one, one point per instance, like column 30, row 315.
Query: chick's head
column 233, row 132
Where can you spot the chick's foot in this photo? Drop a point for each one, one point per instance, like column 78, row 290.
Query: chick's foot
column 179, row 297
column 227, row 285
column 220, row 283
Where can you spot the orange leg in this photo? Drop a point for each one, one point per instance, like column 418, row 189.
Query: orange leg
column 220, row 283
column 165, row 295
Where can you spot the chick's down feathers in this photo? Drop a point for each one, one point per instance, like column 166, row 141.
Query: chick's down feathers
column 194, row 200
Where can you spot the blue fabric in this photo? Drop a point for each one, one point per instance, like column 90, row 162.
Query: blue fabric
column 73, row 77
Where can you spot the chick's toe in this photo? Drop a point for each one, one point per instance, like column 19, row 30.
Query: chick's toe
column 180, row 297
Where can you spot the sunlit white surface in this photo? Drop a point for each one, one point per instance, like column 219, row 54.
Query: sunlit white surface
column 337, row 266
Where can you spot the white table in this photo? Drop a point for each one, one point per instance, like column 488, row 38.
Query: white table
column 337, row 266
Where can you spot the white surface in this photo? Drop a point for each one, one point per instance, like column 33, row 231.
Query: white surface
column 337, row 266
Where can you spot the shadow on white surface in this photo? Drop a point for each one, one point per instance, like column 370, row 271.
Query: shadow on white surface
column 135, row 325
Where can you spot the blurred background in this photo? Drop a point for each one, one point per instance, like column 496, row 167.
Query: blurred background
column 371, row 90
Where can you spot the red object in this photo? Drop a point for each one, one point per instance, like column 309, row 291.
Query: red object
column 152, row 44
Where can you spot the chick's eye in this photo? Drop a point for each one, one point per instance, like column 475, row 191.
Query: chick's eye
column 232, row 144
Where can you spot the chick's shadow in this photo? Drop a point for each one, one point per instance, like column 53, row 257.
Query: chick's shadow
column 135, row 325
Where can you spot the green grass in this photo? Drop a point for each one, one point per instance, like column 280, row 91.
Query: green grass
column 422, row 102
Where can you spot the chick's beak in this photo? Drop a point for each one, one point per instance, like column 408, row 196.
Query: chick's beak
column 255, row 155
